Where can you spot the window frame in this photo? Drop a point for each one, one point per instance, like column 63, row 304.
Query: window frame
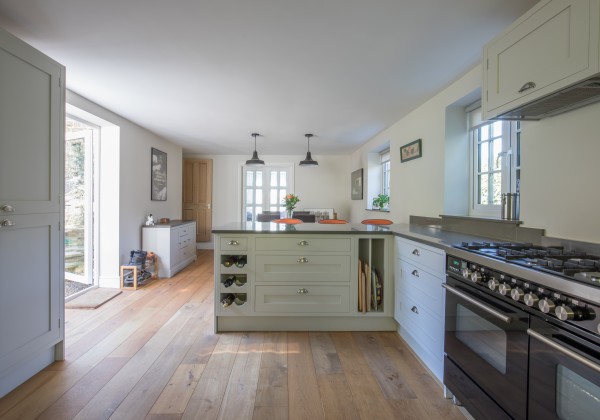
column 509, row 166
column 385, row 172
column 266, row 187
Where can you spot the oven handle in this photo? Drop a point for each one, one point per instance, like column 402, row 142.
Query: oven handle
column 499, row 315
column 563, row 350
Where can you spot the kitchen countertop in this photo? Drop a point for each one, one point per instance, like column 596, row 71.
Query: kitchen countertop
column 171, row 224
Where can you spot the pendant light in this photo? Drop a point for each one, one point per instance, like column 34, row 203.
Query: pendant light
column 255, row 160
column 309, row 160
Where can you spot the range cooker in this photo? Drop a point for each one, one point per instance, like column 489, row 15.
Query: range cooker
column 522, row 331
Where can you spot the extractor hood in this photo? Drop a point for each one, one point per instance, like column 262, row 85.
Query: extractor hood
column 563, row 100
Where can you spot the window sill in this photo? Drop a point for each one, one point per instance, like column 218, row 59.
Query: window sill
column 380, row 210
column 485, row 219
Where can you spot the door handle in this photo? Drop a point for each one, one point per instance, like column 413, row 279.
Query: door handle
column 415, row 273
column 415, row 310
column 7, row 223
column 303, row 243
column 302, row 260
column 567, row 352
column 233, row 243
column 507, row 319
column 302, row 291
column 416, row 252
column 527, row 86
column 7, row 208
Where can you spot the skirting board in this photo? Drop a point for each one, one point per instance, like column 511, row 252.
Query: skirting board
column 258, row 323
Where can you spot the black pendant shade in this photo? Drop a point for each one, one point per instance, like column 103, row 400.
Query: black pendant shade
column 309, row 160
column 255, row 160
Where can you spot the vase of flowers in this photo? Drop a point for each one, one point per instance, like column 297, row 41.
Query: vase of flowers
column 289, row 202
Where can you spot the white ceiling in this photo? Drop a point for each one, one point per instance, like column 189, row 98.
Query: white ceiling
column 206, row 74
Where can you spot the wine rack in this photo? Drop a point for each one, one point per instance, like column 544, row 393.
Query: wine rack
column 231, row 281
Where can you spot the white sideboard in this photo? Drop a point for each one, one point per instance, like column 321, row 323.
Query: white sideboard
column 173, row 243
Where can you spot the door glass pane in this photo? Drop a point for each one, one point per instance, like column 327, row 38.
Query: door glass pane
column 249, row 196
column 249, row 214
column 249, row 178
column 75, row 202
column 481, row 336
column 283, row 178
column 576, row 397
column 273, row 196
column 259, row 180
column 259, row 196
column 273, row 179
column 282, row 194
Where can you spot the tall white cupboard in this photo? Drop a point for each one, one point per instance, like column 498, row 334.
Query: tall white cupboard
column 32, row 98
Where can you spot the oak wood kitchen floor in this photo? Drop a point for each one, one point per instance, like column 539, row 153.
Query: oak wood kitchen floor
column 152, row 354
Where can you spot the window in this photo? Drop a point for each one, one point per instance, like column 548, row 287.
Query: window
column 495, row 167
column 385, row 172
column 264, row 189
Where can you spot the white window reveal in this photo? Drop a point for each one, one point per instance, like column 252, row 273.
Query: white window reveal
column 264, row 189
column 385, row 172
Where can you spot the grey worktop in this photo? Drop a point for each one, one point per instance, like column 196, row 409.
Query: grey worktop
column 429, row 235
column 171, row 224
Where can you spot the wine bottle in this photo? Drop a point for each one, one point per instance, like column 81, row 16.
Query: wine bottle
column 240, row 281
column 227, row 300
column 240, row 298
column 230, row 261
column 241, row 261
column 229, row 281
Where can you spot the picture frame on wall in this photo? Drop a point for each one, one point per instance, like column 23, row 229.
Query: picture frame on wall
column 410, row 151
column 356, row 184
column 158, row 175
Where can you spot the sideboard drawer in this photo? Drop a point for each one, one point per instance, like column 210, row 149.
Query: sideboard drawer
column 303, row 268
column 234, row 244
column 303, row 244
column 302, row 299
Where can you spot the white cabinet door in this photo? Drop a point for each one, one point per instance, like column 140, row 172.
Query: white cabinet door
column 547, row 49
column 31, row 234
column 31, row 117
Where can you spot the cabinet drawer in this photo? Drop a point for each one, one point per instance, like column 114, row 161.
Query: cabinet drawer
column 186, row 230
column 420, row 285
column 303, row 268
column 234, row 244
column 302, row 299
column 426, row 328
column 423, row 255
column 300, row 243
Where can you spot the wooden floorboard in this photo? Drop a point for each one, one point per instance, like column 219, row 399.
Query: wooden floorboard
column 152, row 354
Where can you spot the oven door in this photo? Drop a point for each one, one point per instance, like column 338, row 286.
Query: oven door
column 564, row 374
column 487, row 339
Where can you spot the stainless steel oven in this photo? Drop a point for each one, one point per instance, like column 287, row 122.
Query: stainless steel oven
column 486, row 347
column 564, row 368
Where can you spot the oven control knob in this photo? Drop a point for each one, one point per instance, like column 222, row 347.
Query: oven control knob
column 504, row 289
column 516, row 294
column 465, row 272
column 546, row 305
column 475, row 277
column 564, row 313
column 530, row 299
column 493, row 283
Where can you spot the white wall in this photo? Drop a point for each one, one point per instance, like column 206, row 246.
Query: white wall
column 559, row 181
column 416, row 186
column 323, row 186
column 125, row 185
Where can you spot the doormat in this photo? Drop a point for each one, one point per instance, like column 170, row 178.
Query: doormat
column 93, row 299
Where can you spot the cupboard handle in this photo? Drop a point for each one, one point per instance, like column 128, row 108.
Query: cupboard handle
column 569, row 353
column 416, row 252
column 464, row 296
column 233, row 243
column 415, row 273
column 7, row 223
column 303, row 243
column 7, row 208
column 527, row 86
column 302, row 291
column 415, row 310
column 302, row 260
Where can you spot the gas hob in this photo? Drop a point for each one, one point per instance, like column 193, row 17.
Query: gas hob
column 572, row 265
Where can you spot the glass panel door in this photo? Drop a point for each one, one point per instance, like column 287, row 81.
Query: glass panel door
column 78, row 207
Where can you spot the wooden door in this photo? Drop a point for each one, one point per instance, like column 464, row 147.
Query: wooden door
column 197, row 196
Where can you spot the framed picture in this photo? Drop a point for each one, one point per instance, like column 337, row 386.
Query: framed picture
column 356, row 183
column 158, row 175
column 411, row 151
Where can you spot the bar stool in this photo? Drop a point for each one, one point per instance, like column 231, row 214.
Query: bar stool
column 333, row 222
column 377, row 222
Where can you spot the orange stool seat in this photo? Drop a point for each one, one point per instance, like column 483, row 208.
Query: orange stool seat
column 377, row 222
column 287, row 221
column 333, row 222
